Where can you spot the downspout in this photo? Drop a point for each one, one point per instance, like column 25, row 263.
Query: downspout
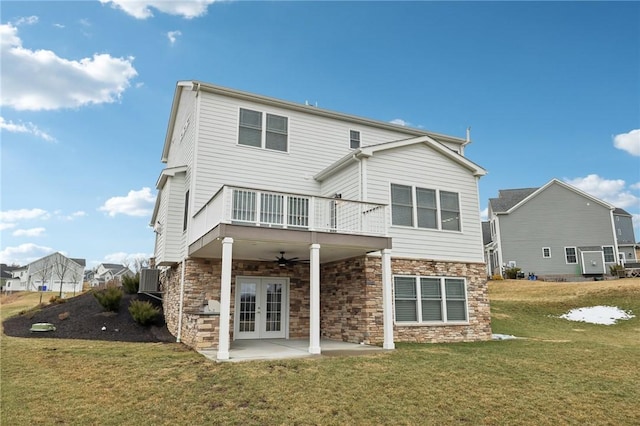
column 616, row 249
column 181, row 303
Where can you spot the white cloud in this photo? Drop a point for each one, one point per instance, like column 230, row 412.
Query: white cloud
column 27, row 20
column 140, row 9
column 75, row 215
column 172, row 35
column 55, row 82
column 135, row 203
column 611, row 191
column 629, row 142
column 399, row 122
column 23, row 214
column 33, row 232
column 4, row 226
column 23, row 254
column 484, row 214
column 30, row 128
column 125, row 258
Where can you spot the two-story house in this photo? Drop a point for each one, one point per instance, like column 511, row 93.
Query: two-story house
column 557, row 232
column 109, row 272
column 57, row 273
column 282, row 220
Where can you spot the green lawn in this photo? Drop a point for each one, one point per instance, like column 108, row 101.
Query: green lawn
column 562, row 372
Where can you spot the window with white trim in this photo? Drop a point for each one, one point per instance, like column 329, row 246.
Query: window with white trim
column 421, row 299
column 570, row 255
column 425, row 208
column 609, row 257
column 354, row 139
column 546, row 252
column 274, row 135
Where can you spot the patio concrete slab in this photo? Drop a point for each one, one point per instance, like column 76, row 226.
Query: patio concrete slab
column 272, row 349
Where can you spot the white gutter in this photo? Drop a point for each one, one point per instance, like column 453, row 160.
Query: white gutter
column 181, row 303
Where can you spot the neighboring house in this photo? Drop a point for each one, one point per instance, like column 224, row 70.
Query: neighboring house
column 384, row 220
column 18, row 280
column 6, row 276
column 54, row 271
column 556, row 231
column 109, row 272
column 627, row 245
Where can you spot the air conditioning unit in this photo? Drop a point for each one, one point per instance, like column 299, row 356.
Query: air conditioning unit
column 149, row 281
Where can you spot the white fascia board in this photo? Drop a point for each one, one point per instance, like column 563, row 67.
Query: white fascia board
column 338, row 165
column 172, row 117
column 224, row 91
column 430, row 142
column 168, row 172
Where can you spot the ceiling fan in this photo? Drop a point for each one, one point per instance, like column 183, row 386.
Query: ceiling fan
column 283, row 261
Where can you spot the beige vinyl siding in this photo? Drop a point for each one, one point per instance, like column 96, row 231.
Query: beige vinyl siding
column 314, row 143
column 170, row 246
column 182, row 138
column 346, row 182
column 159, row 251
column 420, row 166
column 556, row 218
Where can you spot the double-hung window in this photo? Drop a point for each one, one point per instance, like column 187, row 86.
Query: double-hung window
column 274, row 135
column 425, row 208
column 546, row 252
column 571, row 254
column 354, row 139
column 609, row 257
column 429, row 299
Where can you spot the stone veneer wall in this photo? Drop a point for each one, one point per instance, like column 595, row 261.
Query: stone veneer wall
column 350, row 300
column 479, row 325
column 202, row 282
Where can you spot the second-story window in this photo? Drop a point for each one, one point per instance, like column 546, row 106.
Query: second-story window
column 425, row 208
column 354, row 139
column 273, row 136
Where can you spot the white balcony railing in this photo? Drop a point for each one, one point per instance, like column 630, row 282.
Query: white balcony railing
column 251, row 207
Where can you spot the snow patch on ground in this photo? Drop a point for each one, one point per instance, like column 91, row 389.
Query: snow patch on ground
column 606, row 315
column 502, row 337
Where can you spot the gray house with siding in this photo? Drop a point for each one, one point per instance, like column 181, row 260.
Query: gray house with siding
column 557, row 232
column 282, row 220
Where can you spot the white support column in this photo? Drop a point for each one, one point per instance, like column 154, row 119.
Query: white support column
column 387, row 299
column 314, row 308
column 225, row 299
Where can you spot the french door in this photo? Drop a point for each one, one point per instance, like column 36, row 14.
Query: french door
column 261, row 308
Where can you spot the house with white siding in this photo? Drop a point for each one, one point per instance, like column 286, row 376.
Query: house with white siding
column 556, row 232
column 282, row 220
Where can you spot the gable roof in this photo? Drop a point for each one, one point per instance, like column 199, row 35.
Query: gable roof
column 370, row 150
column 511, row 200
column 507, row 198
column 196, row 85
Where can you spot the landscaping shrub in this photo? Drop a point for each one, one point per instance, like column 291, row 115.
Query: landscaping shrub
column 143, row 312
column 109, row 298
column 512, row 273
column 56, row 300
column 131, row 284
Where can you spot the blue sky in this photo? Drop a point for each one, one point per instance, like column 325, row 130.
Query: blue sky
column 549, row 89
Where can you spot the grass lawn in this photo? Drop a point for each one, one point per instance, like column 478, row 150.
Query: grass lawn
column 560, row 372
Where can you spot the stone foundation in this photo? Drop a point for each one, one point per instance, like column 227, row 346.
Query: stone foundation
column 350, row 300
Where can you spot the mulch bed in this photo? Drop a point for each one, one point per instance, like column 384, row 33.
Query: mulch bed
column 85, row 319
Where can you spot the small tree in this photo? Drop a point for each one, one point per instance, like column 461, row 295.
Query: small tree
column 44, row 274
column 131, row 284
column 109, row 298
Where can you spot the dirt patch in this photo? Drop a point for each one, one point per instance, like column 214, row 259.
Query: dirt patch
column 82, row 317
